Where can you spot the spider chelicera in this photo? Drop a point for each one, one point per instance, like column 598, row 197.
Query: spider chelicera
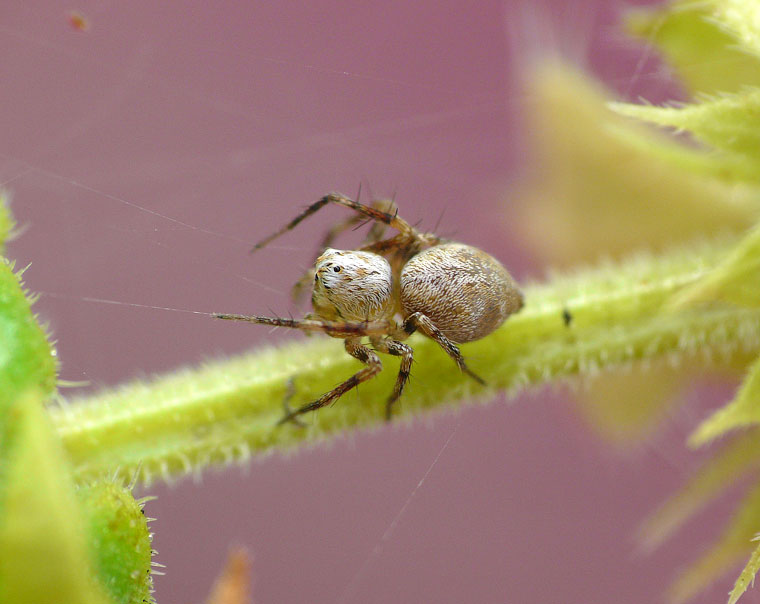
column 390, row 288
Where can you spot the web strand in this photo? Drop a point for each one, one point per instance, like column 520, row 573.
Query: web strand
column 121, row 303
column 352, row 587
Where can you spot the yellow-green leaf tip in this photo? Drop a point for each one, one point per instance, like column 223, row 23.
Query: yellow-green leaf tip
column 705, row 53
column 6, row 219
column 743, row 411
column 747, row 576
column 27, row 359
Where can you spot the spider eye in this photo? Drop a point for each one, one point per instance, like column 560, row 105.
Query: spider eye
column 337, row 269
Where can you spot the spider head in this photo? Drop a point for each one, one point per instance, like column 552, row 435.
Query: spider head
column 352, row 286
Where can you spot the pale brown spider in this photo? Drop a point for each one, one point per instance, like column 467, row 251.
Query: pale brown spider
column 451, row 292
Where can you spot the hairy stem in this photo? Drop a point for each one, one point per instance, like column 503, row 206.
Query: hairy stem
column 227, row 410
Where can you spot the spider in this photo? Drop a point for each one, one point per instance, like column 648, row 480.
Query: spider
column 389, row 288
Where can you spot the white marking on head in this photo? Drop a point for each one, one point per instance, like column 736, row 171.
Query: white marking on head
column 352, row 285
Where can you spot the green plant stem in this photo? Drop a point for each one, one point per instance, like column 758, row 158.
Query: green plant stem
column 227, row 410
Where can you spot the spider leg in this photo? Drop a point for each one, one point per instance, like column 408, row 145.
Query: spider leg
column 401, row 247
column 406, row 353
column 303, row 284
column 358, row 351
column 419, row 321
column 386, row 206
column 378, row 228
column 383, row 246
column 336, row 329
column 290, row 390
column 390, row 219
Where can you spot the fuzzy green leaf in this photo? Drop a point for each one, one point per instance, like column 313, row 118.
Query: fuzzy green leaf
column 735, row 280
column 738, row 458
column 27, row 364
column 642, row 188
column 27, row 360
column 734, row 545
column 730, row 123
column 44, row 556
column 744, row 410
column 705, row 56
column 742, row 19
column 119, row 541
column 747, row 576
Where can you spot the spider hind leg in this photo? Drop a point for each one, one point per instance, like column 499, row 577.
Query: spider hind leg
column 419, row 321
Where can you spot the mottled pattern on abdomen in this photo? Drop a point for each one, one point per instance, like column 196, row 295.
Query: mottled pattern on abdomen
column 465, row 292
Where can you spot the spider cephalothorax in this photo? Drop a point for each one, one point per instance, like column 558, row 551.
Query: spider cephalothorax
column 352, row 286
column 390, row 288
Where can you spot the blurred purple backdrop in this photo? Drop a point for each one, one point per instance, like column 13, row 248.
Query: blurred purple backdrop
column 144, row 156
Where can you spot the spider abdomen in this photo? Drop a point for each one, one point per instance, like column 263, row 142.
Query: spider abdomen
column 465, row 292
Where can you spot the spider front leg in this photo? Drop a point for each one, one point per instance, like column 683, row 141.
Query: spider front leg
column 387, row 218
column 419, row 321
column 387, row 207
column 406, row 353
column 336, row 329
column 356, row 350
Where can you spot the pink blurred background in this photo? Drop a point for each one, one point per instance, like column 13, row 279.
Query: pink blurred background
column 148, row 152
